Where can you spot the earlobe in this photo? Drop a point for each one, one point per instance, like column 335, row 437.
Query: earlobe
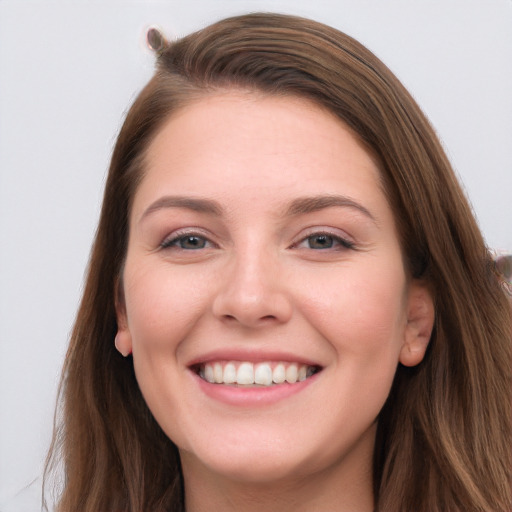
column 123, row 339
column 420, row 322
column 123, row 343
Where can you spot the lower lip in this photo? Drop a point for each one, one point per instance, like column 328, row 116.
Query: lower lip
column 252, row 396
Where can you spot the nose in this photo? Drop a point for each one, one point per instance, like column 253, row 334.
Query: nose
column 253, row 292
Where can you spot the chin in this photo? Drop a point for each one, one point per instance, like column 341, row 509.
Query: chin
column 247, row 459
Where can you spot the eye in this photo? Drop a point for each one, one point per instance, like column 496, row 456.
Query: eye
column 320, row 241
column 186, row 242
column 323, row 241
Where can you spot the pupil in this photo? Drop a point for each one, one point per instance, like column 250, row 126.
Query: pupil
column 321, row 242
column 192, row 242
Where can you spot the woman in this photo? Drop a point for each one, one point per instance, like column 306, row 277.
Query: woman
column 289, row 305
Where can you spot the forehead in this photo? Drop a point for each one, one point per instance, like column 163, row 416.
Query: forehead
column 237, row 143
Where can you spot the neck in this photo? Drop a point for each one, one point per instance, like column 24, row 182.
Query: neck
column 303, row 496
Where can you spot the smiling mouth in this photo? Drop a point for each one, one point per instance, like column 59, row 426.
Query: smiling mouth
column 242, row 373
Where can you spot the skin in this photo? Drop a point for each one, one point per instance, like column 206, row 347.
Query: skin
column 263, row 284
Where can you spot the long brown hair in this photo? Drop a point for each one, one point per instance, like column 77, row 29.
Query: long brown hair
column 443, row 441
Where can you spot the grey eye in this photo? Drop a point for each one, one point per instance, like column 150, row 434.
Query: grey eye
column 320, row 241
column 191, row 242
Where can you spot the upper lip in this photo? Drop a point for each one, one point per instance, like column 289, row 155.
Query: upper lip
column 253, row 356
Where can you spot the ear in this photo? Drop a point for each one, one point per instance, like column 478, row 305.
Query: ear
column 420, row 322
column 123, row 339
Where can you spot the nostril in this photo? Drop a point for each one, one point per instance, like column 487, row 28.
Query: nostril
column 251, row 309
column 265, row 318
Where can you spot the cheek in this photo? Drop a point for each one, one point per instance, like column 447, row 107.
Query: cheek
column 163, row 308
column 162, row 305
column 360, row 311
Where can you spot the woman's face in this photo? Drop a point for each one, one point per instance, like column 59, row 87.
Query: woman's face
column 265, row 298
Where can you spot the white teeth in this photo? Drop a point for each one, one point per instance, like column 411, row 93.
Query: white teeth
column 208, row 373
column 229, row 373
column 245, row 374
column 279, row 374
column 260, row 374
column 263, row 374
column 291, row 374
column 218, row 373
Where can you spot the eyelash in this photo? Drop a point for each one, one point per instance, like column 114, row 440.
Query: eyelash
column 174, row 242
column 343, row 243
column 180, row 237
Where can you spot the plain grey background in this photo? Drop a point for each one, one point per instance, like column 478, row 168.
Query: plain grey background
column 69, row 70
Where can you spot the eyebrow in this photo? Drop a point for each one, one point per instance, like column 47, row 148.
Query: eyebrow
column 299, row 206
column 304, row 205
column 190, row 203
